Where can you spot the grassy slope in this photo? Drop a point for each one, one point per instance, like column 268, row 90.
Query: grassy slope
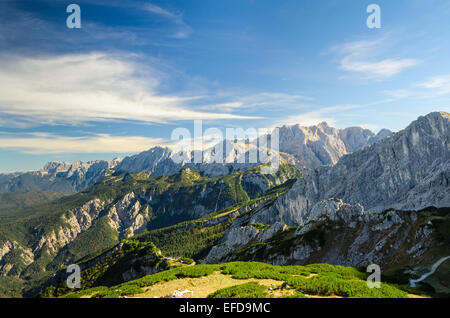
column 253, row 278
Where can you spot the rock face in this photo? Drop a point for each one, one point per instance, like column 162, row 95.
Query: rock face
column 319, row 145
column 335, row 233
column 75, row 222
column 309, row 147
column 237, row 237
column 408, row 171
column 124, row 217
column 128, row 215
column 10, row 252
column 395, row 238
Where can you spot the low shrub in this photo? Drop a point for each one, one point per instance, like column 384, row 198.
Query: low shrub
column 247, row 290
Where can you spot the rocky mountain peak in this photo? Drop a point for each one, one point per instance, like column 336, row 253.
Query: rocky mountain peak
column 322, row 144
column 408, row 171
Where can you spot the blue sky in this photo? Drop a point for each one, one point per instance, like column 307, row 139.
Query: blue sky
column 138, row 69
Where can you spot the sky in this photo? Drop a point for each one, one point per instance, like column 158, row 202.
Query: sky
column 136, row 70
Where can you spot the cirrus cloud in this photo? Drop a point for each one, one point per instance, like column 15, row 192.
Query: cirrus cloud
column 362, row 58
column 77, row 88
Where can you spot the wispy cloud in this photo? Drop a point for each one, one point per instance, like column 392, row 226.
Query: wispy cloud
column 377, row 70
column 266, row 100
column 439, row 85
column 183, row 30
column 40, row 143
column 361, row 57
column 79, row 88
column 434, row 87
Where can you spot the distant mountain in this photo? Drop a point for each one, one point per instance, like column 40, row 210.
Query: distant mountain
column 5, row 176
column 308, row 147
column 60, row 177
column 166, row 161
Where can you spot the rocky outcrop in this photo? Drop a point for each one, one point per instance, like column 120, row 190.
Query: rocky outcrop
column 319, row 145
column 75, row 222
column 239, row 236
column 396, row 238
column 13, row 258
column 332, row 209
column 125, row 217
column 5, row 248
column 336, row 233
column 128, row 216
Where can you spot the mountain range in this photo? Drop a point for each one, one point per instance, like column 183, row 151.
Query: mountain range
column 341, row 196
column 307, row 147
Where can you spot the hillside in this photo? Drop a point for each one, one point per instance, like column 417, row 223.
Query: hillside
column 12, row 203
column 251, row 280
column 42, row 238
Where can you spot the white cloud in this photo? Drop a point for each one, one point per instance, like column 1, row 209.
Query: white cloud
column 40, row 143
column 362, row 57
column 267, row 100
column 439, row 85
column 433, row 87
column 88, row 87
column 377, row 70
column 158, row 10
